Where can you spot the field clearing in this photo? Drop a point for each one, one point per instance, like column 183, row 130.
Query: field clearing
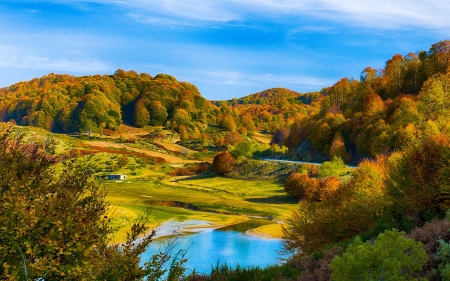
column 220, row 201
column 174, row 147
column 262, row 138
column 167, row 157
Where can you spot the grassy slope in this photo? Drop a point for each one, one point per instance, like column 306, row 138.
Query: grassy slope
column 227, row 201
column 224, row 201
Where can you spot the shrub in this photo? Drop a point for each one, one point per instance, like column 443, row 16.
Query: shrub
column 302, row 186
column 391, row 257
column 223, row 162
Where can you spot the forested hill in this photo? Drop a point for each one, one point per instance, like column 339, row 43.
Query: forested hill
column 274, row 96
column 65, row 103
column 388, row 109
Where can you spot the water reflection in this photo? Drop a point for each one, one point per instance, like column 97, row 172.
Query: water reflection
column 226, row 245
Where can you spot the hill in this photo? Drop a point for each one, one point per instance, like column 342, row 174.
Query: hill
column 63, row 103
column 386, row 110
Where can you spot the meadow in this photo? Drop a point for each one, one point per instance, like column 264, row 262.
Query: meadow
column 220, row 201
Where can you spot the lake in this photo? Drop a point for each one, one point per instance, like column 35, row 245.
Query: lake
column 228, row 245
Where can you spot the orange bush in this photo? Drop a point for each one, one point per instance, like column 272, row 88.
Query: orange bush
column 223, row 162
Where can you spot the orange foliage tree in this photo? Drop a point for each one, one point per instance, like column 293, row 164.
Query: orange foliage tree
column 223, row 162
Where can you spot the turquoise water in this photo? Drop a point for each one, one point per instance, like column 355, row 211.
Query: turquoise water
column 228, row 245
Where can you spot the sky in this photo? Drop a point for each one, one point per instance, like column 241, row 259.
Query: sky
column 227, row 48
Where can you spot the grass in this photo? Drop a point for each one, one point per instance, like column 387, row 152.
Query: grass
column 221, row 201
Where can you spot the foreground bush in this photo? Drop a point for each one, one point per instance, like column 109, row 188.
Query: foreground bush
column 226, row 273
column 55, row 224
column 391, row 257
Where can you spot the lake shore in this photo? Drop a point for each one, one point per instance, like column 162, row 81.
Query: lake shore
column 174, row 228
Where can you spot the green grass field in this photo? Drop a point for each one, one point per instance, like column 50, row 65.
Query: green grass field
column 221, row 201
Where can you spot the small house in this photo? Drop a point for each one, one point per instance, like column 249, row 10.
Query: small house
column 116, row 177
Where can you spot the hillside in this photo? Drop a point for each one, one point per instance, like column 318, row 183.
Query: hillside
column 63, row 103
column 386, row 110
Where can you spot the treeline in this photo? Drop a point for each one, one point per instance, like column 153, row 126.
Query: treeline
column 397, row 117
column 272, row 109
column 64, row 103
column 385, row 110
column 388, row 109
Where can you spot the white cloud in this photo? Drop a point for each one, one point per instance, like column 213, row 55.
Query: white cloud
column 261, row 79
column 429, row 14
column 14, row 57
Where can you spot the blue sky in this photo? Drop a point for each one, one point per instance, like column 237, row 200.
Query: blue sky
column 227, row 48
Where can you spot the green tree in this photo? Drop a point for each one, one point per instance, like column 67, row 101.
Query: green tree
column 158, row 113
column 243, row 149
column 391, row 257
column 181, row 116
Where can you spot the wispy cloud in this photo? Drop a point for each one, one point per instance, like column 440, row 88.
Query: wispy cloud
column 429, row 14
column 11, row 57
column 262, row 79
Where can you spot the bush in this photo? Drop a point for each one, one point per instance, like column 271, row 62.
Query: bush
column 223, row 162
column 302, row 186
column 391, row 257
column 331, row 168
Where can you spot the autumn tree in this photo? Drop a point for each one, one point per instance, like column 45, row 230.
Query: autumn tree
column 439, row 57
column 338, row 149
column 248, row 124
column 302, row 186
column 182, row 130
column 434, row 96
column 418, row 180
column 141, row 114
column 373, row 109
column 223, row 162
column 56, row 224
column 279, row 136
column 232, row 139
column 227, row 122
column 158, row 113
column 394, row 74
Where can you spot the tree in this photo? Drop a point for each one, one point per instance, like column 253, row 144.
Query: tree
column 181, row 116
column 279, row 136
column 55, row 222
column 227, row 122
column 338, row 149
column 433, row 97
column 243, row 149
column 391, row 257
column 302, row 186
column 233, row 138
column 223, row 162
column 158, row 113
column 247, row 123
column 373, row 109
column 182, row 130
column 393, row 73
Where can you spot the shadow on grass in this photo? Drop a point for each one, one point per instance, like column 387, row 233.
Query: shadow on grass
column 277, row 199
